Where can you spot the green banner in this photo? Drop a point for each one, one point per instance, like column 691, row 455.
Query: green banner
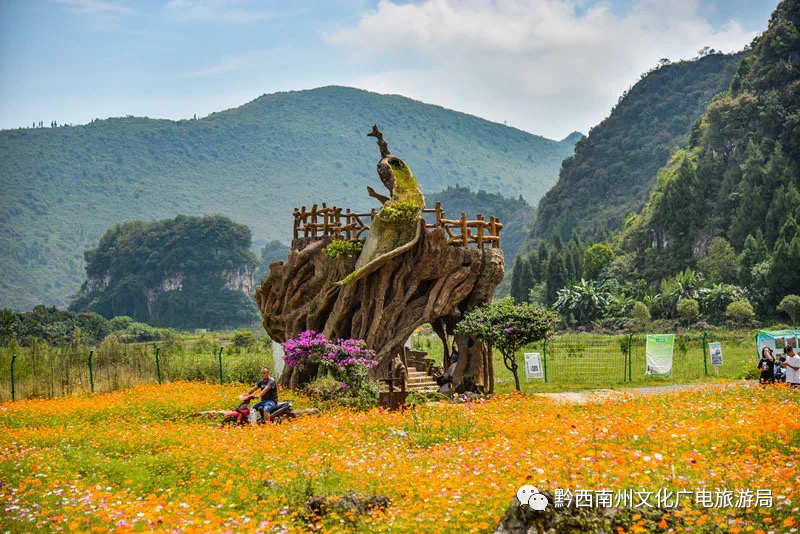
column 659, row 354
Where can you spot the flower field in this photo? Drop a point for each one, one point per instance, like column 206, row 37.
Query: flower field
column 136, row 460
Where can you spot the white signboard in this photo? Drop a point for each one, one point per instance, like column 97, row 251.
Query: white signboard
column 533, row 365
column 277, row 359
column 658, row 352
column 715, row 349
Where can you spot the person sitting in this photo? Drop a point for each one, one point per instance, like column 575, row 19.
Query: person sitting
column 767, row 366
column 268, row 395
column 445, row 381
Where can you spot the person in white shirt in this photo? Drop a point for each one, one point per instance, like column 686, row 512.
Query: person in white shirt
column 792, row 365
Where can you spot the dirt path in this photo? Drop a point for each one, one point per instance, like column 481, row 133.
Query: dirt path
column 582, row 397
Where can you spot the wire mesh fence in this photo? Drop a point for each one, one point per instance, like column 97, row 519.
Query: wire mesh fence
column 43, row 371
column 618, row 359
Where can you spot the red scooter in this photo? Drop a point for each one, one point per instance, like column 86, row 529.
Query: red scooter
column 241, row 414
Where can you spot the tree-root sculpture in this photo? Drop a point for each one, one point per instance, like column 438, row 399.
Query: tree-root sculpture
column 405, row 276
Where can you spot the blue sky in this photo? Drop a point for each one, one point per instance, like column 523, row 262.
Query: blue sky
column 545, row 66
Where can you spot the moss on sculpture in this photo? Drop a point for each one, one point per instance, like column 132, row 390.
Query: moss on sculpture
column 396, row 227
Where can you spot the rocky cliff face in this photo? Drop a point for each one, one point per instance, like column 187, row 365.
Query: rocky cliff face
column 242, row 280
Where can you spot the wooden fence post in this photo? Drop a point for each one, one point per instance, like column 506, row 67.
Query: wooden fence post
column 480, row 231
column 464, row 229
column 314, row 220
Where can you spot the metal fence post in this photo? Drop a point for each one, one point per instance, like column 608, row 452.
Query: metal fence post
column 630, row 357
column 705, row 360
column 544, row 361
column 220, row 365
column 158, row 365
column 91, row 371
column 13, row 391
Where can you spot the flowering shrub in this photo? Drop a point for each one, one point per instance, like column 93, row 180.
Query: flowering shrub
column 308, row 346
column 507, row 327
column 349, row 360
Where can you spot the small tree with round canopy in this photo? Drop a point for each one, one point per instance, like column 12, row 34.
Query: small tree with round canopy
column 508, row 326
column 790, row 305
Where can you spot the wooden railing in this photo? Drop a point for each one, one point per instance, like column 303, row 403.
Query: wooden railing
column 459, row 231
column 325, row 221
column 350, row 226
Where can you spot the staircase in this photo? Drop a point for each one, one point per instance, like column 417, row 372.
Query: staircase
column 420, row 382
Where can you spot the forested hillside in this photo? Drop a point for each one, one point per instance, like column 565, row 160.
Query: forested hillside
column 185, row 273
column 63, row 187
column 516, row 215
column 614, row 168
column 729, row 202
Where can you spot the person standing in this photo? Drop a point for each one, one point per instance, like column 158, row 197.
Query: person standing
column 767, row 366
column 792, row 365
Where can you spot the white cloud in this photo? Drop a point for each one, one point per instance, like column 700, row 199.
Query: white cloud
column 101, row 11
column 217, row 11
column 537, row 64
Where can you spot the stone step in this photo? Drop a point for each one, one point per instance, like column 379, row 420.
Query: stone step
column 427, row 389
column 419, row 379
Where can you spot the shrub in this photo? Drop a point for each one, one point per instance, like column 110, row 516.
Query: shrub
column 325, row 389
column 343, row 249
column 120, row 323
column 243, row 338
column 740, row 312
column 143, row 332
column 688, row 309
column 363, row 399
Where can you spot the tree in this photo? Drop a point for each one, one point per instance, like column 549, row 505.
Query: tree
column 784, row 274
column 640, row 313
column 719, row 262
column 508, row 327
column 784, row 203
column 555, row 276
column 544, row 254
column 595, row 259
column 740, row 312
column 790, row 305
column 516, row 280
column 755, row 251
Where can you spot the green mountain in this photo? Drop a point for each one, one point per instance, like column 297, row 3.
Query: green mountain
column 738, row 178
column 184, row 272
column 614, row 168
column 63, row 187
